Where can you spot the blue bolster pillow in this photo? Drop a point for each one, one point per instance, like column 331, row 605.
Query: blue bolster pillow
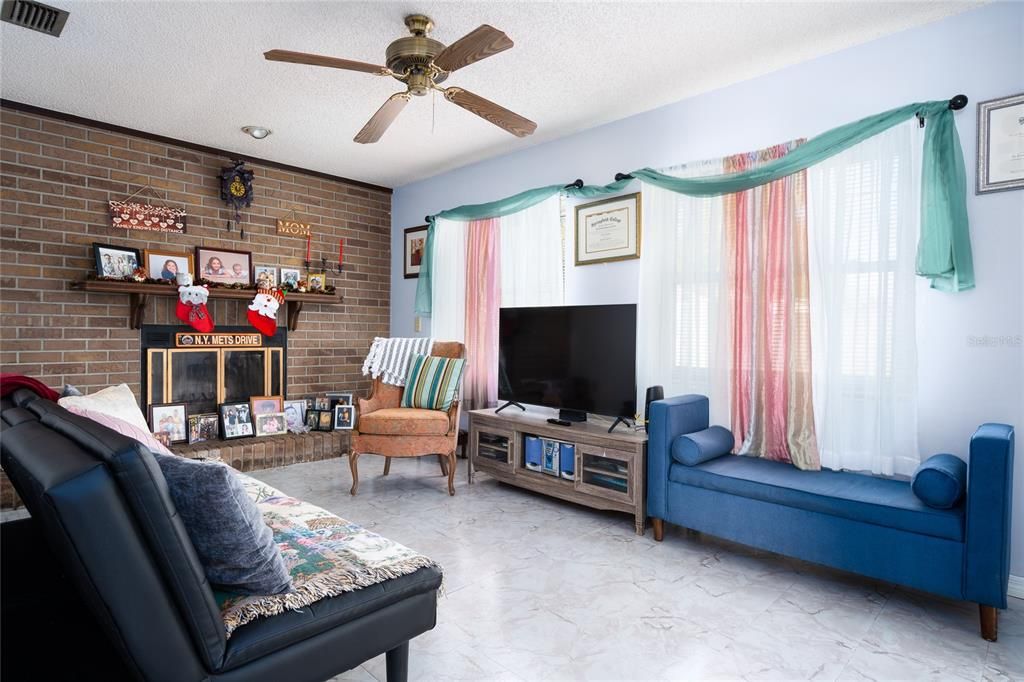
column 700, row 446
column 940, row 481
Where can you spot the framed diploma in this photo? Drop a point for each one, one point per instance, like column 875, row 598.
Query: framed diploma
column 1000, row 144
column 608, row 230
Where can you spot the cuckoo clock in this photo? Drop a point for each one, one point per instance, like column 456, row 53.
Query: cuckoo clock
column 236, row 190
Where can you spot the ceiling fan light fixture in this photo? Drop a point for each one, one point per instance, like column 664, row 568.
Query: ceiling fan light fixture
column 258, row 132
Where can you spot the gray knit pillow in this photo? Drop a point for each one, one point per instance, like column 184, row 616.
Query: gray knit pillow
column 236, row 548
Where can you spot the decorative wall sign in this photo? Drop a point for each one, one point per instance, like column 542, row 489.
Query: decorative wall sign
column 189, row 340
column 132, row 215
column 1000, row 144
column 236, row 189
column 608, row 230
column 293, row 228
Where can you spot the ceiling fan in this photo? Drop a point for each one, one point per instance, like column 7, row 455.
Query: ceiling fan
column 421, row 63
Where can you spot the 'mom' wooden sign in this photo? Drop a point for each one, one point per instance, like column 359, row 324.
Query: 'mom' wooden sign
column 293, row 228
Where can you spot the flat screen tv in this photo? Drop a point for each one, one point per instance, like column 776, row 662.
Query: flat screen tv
column 577, row 359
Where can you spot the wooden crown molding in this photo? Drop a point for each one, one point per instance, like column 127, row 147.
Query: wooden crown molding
column 153, row 137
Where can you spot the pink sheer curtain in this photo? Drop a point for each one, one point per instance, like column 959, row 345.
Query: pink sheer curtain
column 483, row 299
column 766, row 248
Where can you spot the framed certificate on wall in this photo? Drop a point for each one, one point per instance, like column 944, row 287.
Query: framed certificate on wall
column 608, row 230
column 1000, row 144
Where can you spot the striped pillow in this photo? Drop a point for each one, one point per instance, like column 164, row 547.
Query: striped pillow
column 432, row 382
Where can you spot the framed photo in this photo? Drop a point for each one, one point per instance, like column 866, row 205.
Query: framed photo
column 203, row 427
column 310, row 403
column 236, row 420
column 170, row 419
column 295, row 414
column 313, row 419
column 166, row 265
column 1000, row 145
column 608, row 230
column 323, row 403
column 335, row 398
column 317, row 281
column 271, row 424
column 115, row 261
column 344, row 416
column 265, row 276
column 415, row 247
column 223, row 266
column 290, row 276
column 266, row 404
column 326, row 420
column 163, row 438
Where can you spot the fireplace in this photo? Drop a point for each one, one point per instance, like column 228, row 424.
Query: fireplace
column 231, row 364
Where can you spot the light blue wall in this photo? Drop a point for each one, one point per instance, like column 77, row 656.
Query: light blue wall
column 980, row 53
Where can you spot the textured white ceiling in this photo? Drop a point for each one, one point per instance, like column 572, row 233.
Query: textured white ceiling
column 195, row 70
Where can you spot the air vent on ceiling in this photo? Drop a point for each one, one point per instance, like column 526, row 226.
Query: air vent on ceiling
column 34, row 15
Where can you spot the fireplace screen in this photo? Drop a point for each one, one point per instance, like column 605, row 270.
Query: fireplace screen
column 204, row 370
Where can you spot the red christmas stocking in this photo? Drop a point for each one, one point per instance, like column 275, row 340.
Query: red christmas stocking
column 191, row 308
column 262, row 312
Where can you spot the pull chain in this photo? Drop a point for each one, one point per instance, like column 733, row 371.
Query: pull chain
column 433, row 110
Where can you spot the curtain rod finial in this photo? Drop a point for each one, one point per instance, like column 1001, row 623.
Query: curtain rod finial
column 623, row 176
column 578, row 183
column 958, row 102
column 426, row 219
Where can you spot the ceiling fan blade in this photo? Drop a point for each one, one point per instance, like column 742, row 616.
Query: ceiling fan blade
column 478, row 44
column 486, row 109
column 384, row 117
column 319, row 60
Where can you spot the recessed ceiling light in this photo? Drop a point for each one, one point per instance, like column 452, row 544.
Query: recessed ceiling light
column 259, row 132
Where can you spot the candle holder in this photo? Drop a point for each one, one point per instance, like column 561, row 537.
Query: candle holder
column 306, row 264
column 333, row 268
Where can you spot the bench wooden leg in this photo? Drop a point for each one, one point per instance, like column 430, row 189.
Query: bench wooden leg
column 387, row 466
column 659, row 529
column 397, row 663
column 989, row 622
column 353, row 458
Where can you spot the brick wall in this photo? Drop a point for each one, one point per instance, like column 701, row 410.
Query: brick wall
column 56, row 179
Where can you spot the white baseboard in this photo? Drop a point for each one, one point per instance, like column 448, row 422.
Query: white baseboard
column 1016, row 588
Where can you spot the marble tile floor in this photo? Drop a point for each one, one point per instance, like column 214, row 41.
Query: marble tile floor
column 539, row 589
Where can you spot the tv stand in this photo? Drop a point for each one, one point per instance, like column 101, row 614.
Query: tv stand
column 510, row 402
column 619, row 420
column 609, row 469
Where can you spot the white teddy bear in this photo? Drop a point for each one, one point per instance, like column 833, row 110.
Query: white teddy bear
column 191, row 307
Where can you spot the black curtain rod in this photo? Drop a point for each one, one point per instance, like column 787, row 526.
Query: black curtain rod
column 577, row 184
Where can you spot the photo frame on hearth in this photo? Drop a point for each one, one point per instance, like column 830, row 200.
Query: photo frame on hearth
column 344, row 417
column 115, row 261
column 236, row 421
column 271, row 424
column 266, row 404
column 295, row 415
column 224, row 266
column 335, row 398
column 326, row 420
column 170, row 419
column 203, row 427
column 313, row 419
column 161, row 264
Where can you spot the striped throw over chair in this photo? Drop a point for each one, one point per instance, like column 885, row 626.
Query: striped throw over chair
column 386, row 428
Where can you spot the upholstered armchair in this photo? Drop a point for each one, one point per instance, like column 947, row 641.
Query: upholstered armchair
column 385, row 428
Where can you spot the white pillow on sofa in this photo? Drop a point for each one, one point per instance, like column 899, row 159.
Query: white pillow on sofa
column 115, row 401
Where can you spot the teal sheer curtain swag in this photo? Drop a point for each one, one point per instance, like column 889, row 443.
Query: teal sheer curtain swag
column 944, row 246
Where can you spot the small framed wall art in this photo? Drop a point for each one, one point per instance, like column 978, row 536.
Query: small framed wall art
column 224, row 266
column 415, row 248
column 317, row 281
column 1000, row 145
column 265, row 276
column 133, row 215
column 608, row 230
column 115, row 261
column 290, row 276
column 166, row 264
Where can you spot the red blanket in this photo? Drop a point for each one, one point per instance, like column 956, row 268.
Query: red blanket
column 9, row 383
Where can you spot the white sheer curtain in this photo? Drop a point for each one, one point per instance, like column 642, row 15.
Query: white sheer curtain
column 531, row 256
column 448, row 279
column 863, row 224
column 682, row 331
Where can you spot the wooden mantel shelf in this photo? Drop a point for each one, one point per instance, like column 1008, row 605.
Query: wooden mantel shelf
column 139, row 293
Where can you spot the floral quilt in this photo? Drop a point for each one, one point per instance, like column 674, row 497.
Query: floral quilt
column 326, row 555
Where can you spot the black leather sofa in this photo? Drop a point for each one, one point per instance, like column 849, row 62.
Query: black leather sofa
column 103, row 582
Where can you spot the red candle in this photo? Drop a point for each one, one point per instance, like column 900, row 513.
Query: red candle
column 309, row 245
column 341, row 251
